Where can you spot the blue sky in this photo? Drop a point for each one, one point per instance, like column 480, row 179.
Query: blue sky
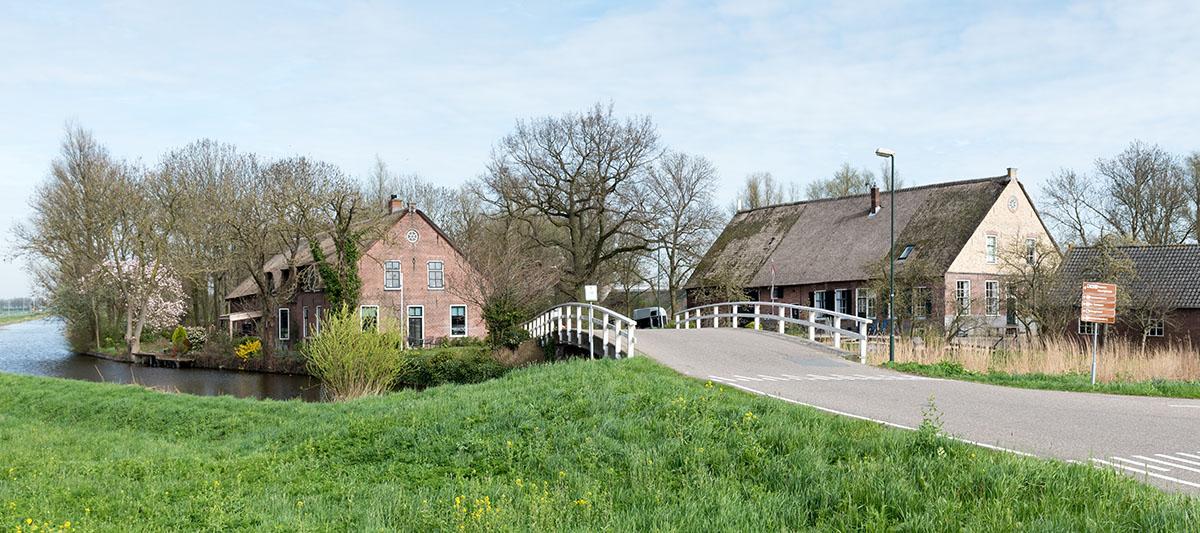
column 958, row 89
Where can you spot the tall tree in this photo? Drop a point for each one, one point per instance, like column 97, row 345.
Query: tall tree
column 1147, row 198
column 760, row 189
column 1193, row 170
column 584, row 174
column 685, row 218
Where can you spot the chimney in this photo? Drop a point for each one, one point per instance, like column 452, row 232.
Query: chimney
column 1012, row 173
column 412, row 207
column 874, row 199
column 394, row 205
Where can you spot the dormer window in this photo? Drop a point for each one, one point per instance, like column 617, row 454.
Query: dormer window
column 905, row 252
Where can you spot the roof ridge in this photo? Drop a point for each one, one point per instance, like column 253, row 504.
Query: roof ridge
column 1173, row 245
column 1002, row 179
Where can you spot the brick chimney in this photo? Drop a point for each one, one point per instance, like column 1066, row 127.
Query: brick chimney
column 874, row 199
column 394, row 205
column 1012, row 173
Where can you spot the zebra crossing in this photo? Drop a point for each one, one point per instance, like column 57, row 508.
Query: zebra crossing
column 1178, row 467
column 738, row 378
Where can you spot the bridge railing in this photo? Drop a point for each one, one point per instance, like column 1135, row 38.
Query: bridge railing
column 815, row 319
column 576, row 323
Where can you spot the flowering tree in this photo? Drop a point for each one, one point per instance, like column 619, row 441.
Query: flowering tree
column 152, row 295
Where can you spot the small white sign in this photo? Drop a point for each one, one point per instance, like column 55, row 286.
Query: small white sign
column 590, row 294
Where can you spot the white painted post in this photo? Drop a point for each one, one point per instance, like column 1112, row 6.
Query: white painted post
column 578, row 325
column 591, row 333
column 862, row 343
column 782, row 312
column 837, row 332
column 617, row 340
column 757, row 326
column 716, row 319
column 605, row 345
column 812, row 325
column 632, row 341
column 676, row 320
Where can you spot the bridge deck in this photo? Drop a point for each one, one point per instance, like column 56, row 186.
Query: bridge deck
column 1141, row 434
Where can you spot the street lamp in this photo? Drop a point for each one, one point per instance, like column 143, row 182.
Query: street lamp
column 891, row 155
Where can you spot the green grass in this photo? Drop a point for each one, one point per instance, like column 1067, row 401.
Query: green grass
column 584, row 446
column 13, row 318
column 1064, row 382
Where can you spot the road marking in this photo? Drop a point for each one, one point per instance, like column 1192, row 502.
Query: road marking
column 1143, row 465
column 1184, row 461
column 1192, row 406
column 1162, row 462
column 814, row 376
column 1152, row 474
column 771, row 378
column 744, row 378
column 1188, row 455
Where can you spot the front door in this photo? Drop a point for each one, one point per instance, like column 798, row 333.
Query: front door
column 416, row 326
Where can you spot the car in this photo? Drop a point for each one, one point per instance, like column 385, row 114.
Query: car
column 650, row 317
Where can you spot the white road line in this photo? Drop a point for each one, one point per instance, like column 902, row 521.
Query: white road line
column 771, row 378
column 1188, row 455
column 1184, row 461
column 1172, row 465
column 839, row 376
column 868, row 377
column 1151, row 474
column 1191, row 406
column 795, row 378
column 1144, row 465
column 877, row 421
column 814, row 376
column 744, row 378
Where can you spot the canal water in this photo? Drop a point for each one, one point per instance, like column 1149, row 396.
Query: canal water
column 38, row 348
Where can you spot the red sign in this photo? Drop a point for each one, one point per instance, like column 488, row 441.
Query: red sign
column 1099, row 303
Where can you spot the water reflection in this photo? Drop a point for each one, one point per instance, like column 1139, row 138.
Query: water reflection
column 38, row 348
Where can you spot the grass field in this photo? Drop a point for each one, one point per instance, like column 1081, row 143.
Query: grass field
column 1067, row 382
column 13, row 318
column 583, row 446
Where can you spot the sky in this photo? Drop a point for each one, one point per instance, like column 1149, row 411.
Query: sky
column 958, row 89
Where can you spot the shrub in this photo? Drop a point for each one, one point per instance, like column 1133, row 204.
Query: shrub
column 460, row 342
column 504, row 323
column 248, row 347
column 179, row 340
column 351, row 362
column 196, row 337
column 428, row 368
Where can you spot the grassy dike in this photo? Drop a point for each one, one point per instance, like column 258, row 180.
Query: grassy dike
column 584, row 446
column 1063, row 382
column 21, row 317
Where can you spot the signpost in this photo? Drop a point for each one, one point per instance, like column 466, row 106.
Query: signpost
column 590, row 295
column 1098, row 305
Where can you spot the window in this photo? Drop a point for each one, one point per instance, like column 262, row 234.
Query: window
column 991, row 248
column 962, row 296
column 304, row 323
column 841, row 301
column 905, row 253
column 1157, row 328
column 391, row 275
column 317, row 322
column 991, row 297
column 458, row 321
column 819, row 299
column 776, row 293
column 437, row 275
column 864, row 303
column 922, row 302
column 1030, row 251
column 368, row 317
column 1086, row 328
column 285, row 323
column 416, row 326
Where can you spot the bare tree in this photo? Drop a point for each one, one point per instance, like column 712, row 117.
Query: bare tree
column 1031, row 279
column 443, row 205
column 1073, row 207
column 1193, row 171
column 684, row 218
column 759, row 189
column 584, row 174
column 1147, row 198
column 845, row 182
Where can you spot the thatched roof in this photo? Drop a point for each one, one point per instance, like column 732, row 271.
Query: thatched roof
column 835, row 239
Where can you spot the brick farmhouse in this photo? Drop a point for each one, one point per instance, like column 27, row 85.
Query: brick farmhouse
column 411, row 274
column 832, row 253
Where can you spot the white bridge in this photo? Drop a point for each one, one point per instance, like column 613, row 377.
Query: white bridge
column 607, row 333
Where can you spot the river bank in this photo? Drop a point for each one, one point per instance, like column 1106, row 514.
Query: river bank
column 21, row 317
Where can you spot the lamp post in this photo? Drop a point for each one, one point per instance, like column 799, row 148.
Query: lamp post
column 891, row 156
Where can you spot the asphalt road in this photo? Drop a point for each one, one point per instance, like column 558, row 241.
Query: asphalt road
column 1154, row 439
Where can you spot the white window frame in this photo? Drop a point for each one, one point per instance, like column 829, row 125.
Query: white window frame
column 1085, row 328
column 284, row 327
column 408, row 316
column 819, row 303
column 841, row 301
column 866, row 296
column 399, row 275
column 1030, row 251
column 960, row 294
column 1158, row 325
column 991, row 297
column 919, row 312
column 990, row 249
column 429, row 271
column 776, row 293
column 360, row 316
column 466, row 325
column 907, row 251
column 304, row 322
column 317, row 322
